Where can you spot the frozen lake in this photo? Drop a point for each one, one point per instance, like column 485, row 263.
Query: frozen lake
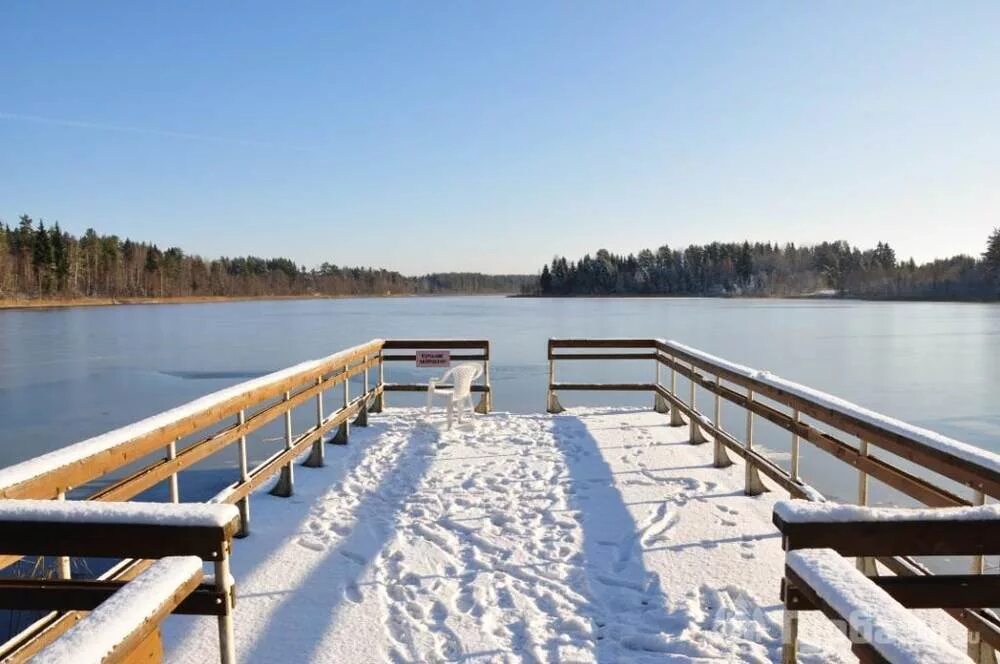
column 67, row 374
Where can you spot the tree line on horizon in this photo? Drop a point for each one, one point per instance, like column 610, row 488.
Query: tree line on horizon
column 773, row 270
column 47, row 262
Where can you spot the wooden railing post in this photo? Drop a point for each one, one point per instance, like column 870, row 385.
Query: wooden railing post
column 676, row 418
column 695, row 435
column 286, row 480
column 552, row 404
column 344, row 431
column 243, row 505
column 720, row 457
column 753, row 486
column 317, row 458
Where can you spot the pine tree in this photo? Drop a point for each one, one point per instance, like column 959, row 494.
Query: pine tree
column 545, row 281
column 60, row 256
column 991, row 257
column 42, row 258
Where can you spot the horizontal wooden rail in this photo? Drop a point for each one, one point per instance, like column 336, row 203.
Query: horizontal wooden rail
column 604, row 387
column 417, row 387
column 485, row 404
column 786, row 406
column 70, row 595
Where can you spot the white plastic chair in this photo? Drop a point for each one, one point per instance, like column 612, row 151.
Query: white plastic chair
column 460, row 395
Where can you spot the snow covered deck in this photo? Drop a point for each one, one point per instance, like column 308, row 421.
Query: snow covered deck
column 594, row 535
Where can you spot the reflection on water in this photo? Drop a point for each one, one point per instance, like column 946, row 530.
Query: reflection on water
column 72, row 373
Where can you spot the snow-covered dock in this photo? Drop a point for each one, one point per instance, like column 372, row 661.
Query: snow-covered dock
column 594, row 535
column 584, row 535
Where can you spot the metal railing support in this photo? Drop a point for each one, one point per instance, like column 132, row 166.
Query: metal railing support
column 695, row 434
column 979, row 651
column 362, row 418
column 285, row 485
column 175, row 492
column 223, row 584
column 243, row 505
column 660, row 404
column 379, row 404
column 794, row 470
column 676, row 418
column 485, row 404
column 317, row 455
column 63, row 567
column 866, row 565
column 344, row 430
column 552, row 404
column 720, row 456
column 753, row 486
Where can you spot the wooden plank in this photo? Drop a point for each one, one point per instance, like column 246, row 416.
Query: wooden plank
column 150, row 651
column 952, row 591
column 77, row 595
column 983, row 621
column 602, row 343
column 121, row 652
column 113, row 540
column 862, row 650
column 931, row 537
column 438, row 344
column 602, row 356
column 49, row 484
column 603, row 387
column 418, row 387
column 454, row 357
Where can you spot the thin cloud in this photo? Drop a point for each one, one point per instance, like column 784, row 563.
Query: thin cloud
column 80, row 124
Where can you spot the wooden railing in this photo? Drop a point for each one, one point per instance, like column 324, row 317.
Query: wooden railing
column 826, row 423
column 473, row 350
column 122, row 464
column 871, row 610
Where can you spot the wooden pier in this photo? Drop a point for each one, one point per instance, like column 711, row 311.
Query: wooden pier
column 116, row 468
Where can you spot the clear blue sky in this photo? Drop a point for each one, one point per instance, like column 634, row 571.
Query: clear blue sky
column 489, row 136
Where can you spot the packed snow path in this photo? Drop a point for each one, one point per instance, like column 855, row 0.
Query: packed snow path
column 595, row 535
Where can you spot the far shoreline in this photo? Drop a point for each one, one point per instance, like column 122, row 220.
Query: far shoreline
column 41, row 304
column 808, row 296
column 14, row 304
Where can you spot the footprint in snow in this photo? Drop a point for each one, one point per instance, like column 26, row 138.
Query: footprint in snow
column 311, row 543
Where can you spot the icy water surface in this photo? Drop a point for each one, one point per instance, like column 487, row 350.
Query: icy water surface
column 67, row 374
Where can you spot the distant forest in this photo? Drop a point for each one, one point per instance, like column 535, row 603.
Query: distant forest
column 40, row 262
column 766, row 269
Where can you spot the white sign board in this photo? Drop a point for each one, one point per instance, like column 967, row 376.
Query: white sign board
column 433, row 358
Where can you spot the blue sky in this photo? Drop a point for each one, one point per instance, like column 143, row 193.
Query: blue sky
column 490, row 136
